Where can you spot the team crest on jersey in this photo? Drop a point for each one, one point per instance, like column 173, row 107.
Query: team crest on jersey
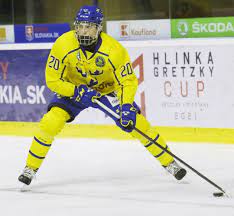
column 100, row 61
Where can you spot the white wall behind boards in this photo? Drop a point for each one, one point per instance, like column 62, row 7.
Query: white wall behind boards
column 187, row 82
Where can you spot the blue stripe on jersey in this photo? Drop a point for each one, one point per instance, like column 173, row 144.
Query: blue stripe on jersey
column 36, row 155
column 44, row 144
column 114, row 71
column 61, row 77
column 102, row 53
column 112, row 64
column 69, row 53
column 121, row 102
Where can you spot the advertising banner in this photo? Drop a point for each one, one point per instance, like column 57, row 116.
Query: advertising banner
column 202, row 27
column 7, row 34
column 139, row 29
column 38, row 33
column 187, row 84
column 23, row 94
column 181, row 84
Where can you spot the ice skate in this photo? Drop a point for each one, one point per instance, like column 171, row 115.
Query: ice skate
column 26, row 177
column 176, row 170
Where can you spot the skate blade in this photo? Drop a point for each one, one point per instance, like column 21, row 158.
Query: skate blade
column 23, row 187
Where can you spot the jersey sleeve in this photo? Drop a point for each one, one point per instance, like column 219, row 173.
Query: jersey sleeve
column 124, row 75
column 55, row 68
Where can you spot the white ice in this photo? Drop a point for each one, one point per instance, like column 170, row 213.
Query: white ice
column 89, row 177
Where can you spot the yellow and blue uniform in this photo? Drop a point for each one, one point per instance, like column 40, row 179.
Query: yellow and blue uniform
column 108, row 70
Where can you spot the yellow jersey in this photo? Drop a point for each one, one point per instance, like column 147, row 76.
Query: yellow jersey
column 106, row 70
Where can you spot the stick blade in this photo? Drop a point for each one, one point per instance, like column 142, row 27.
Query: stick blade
column 221, row 194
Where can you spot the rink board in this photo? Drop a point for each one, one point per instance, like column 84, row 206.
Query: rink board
column 185, row 90
column 175, row 134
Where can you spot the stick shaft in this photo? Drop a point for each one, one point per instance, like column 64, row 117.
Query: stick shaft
column 180, row 160
column 161, row 147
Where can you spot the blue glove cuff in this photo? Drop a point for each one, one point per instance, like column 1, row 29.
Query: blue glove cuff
column 128, row 117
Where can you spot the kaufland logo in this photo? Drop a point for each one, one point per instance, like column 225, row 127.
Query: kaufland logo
column 124, row 30
column 135, row 31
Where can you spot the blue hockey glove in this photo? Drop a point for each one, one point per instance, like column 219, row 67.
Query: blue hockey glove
column 86, row 95
column 127, row 120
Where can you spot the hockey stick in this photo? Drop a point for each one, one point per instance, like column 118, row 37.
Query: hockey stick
column 164, row 149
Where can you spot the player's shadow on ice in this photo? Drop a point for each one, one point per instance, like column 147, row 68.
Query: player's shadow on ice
column 121, row 181
column 130, row 191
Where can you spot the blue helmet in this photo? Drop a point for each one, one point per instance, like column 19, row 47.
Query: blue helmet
column 91, row 14
column 89, row 18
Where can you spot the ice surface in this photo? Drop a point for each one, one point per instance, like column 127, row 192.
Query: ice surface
column 114, row 178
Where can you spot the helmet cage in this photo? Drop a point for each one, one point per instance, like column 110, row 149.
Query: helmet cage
column 87, row 32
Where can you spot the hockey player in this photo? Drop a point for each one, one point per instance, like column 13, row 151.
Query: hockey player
column 85, row 64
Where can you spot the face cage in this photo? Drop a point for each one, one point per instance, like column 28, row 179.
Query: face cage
column 87, row 40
